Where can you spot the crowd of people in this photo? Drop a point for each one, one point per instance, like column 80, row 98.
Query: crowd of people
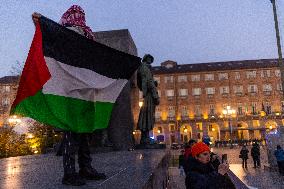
column 204, row 169
column 225, row 143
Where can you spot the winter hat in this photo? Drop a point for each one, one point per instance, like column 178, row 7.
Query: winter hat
column 199, row 148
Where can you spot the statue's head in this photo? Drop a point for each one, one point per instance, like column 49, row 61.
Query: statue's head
column 149, row 59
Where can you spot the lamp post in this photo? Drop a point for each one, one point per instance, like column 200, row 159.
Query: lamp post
column 14, row 120
column 280, row 59
column 229, row 112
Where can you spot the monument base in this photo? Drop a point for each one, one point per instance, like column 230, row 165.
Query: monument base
column 150, row 146
column 139, row 169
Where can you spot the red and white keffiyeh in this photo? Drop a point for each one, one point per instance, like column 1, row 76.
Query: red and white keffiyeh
column 75, row 16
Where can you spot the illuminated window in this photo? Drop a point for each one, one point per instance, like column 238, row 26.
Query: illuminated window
column 210, row 90
column 183, row 92
column 169, row 79
column 184, row 112
column 251, row 74
column 224, row 90
column 277, row 73
column 171, row 111
column 195, row 78
column 238, row 89
column 197, row 110
column 211, row 109
column 267, row 87
column 209, row 77
column 182, row 78
column 252, row 88
column 170, row 93
column 223, row 76
column 237, row 75
column 265, row 73
column 196, row 91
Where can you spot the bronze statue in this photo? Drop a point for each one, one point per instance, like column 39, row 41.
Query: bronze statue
column 148, row 86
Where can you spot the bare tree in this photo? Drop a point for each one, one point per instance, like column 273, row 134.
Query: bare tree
column 17, row 68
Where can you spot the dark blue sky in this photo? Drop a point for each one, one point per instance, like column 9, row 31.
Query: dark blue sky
column 186, row 31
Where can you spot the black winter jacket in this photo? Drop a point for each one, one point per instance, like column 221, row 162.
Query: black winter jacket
column 204, row 176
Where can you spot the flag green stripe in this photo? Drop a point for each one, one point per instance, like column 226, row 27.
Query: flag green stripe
column 66, row 113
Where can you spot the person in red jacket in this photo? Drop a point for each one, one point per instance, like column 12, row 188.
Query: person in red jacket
column 187, row 152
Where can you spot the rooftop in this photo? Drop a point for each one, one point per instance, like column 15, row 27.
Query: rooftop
column 9, row 79
column 169, row 66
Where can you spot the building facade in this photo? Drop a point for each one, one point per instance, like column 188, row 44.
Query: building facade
column 237, row 100
column 8, row 91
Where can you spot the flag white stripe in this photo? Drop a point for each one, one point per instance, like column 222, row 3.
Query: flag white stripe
column 81, row 83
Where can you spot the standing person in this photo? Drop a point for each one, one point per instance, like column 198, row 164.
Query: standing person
column 279, row 154
column 74, row 19
column 201, row 173
column 187, row 152
column 255, row 154
column 244, row 156
column 181, row 162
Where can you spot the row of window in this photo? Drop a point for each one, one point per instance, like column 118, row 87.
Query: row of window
column 241, row 109
column 5, row 88
column 238, row 89
column 221, row 76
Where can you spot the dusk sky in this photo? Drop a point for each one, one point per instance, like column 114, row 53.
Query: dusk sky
column 186, row 31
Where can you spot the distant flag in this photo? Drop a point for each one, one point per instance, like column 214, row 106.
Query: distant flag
column 69, row 81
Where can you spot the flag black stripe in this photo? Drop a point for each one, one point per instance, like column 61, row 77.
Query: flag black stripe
column 70, row 48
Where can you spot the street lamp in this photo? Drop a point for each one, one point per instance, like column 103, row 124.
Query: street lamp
column 280, row 60
column 14, row 120
column 228, row 112
column 140, row 104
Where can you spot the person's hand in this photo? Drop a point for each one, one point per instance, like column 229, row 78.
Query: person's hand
column 35, row 17
column 223, row 168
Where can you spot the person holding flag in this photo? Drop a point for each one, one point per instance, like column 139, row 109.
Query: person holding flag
column 71, row 82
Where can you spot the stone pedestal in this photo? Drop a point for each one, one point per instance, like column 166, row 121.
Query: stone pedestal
column 121, row 124
column 272, row 140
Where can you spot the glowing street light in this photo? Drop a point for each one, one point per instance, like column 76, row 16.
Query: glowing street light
column 14, row 120
column 228, row 112
column 140, row 104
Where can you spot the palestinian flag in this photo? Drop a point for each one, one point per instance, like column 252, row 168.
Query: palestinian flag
column 69, row 81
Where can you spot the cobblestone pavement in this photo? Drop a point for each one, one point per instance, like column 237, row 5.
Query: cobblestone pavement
column 255, row 178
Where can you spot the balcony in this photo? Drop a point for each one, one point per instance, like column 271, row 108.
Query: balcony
column 196, row 96
column 183, row 97
column 252, row 93
column 239, row 94
column 267, row 93
column 184, row 117
column 198, row 116
column 225, row 95
column 210, row 96
column 170, row 98
column 158, row 119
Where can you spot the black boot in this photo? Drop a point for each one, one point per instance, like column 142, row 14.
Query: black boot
column 73, row 179
column 91, row 174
